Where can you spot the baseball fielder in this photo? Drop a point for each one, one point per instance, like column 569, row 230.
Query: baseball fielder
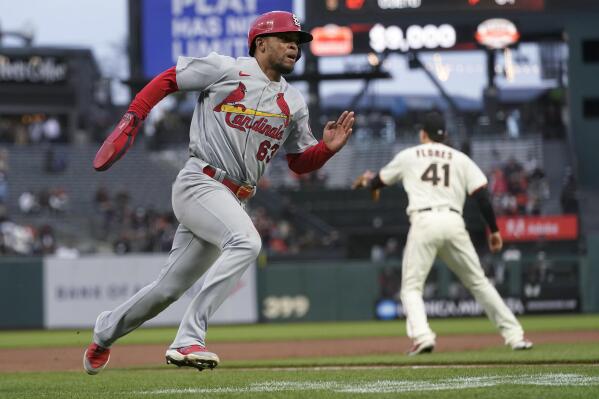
column 245, row 113
column 436, row 178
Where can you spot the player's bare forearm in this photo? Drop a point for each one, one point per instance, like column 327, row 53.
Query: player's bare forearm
column 336, row 134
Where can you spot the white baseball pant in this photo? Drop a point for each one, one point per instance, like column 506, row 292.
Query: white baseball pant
column 443, row 232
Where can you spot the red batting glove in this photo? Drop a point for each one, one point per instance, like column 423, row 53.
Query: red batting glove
column 118, row 143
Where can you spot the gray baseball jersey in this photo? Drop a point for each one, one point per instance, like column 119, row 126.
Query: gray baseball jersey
column 242, row 118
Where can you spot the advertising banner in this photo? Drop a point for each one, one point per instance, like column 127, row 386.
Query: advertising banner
column 195, row 28
column 76, row 291
column 532, row 228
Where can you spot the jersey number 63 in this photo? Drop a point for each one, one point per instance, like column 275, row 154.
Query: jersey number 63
column 266, row 151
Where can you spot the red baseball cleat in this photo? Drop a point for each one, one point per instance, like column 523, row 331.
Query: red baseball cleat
column 192, row 356
column 95, row 358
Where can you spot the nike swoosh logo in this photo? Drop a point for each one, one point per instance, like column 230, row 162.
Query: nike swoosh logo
column 243, row 74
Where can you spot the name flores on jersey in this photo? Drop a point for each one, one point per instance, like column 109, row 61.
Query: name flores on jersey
column 430, row 153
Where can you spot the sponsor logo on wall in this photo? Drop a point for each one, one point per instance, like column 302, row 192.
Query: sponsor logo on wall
column 389, row 309
column 76, row 291
column 531, row 228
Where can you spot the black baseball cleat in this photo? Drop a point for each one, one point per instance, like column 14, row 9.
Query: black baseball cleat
column 423, row 347
column 195, row 356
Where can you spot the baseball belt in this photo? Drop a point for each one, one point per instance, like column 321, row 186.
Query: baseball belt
column 430, row 209
column 241, row 191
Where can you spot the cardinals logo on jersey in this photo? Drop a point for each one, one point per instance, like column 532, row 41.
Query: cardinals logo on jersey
column 239, row 117
column 283, row 107
column 233, row 98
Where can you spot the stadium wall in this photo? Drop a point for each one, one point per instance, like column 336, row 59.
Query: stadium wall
column 69, row 293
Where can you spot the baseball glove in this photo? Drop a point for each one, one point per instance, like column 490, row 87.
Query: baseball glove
column 118, row 142
column 363, row 181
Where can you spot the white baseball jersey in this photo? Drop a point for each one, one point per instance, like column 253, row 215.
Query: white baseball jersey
column 242, row 118
column 433, row 175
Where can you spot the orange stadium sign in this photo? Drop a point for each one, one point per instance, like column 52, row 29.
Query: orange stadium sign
column 332, row 40
column 497, row 33
column 531, row 228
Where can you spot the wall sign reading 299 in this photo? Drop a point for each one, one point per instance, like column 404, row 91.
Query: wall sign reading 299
column 415, row 37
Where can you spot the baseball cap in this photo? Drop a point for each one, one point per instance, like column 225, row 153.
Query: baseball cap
column 434, row 125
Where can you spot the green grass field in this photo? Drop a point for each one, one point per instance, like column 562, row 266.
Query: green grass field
column 557, row 370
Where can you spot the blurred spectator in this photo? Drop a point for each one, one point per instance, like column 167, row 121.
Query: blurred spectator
column 16, row 239
column 377, row 253
column 518, row 189
column 58, row 200
column 512, row 123
column 569, row 196
column 122, row 245
column 498, row 188
column 4, row 160
column 28, row 203
column 54, row 162
column 104, row 207
column 52, row 130
column 36, row 131
column 20, row 135
column 43, row 198
column 538, row 191
column 46, row 241
column 3, row 187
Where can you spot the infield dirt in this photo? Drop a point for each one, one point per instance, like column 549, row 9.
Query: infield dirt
column 69, row 358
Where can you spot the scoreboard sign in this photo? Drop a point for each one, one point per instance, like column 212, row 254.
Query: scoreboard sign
column 415, row 6
column 170, row 28
column 415, row 37
column 420, row 25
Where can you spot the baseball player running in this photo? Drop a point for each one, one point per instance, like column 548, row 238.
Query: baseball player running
column 436, row 178
column 245, row 113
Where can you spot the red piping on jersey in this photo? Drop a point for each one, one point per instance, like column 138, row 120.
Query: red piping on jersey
column 160, row 87
column 311, row 159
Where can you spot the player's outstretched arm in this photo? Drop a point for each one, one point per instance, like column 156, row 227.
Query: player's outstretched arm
column 486, row 209
column 334, row 138
column 122, row 137
column 336, row 134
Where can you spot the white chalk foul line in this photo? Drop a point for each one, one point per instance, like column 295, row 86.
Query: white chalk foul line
column 395, row 386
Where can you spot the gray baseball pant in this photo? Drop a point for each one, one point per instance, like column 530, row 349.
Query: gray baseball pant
column 216, row 241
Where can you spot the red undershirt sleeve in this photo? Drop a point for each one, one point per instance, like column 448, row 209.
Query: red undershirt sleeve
column 160, row 87
column 311, row 159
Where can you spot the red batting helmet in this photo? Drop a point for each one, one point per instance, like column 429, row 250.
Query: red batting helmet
column 275, row 22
